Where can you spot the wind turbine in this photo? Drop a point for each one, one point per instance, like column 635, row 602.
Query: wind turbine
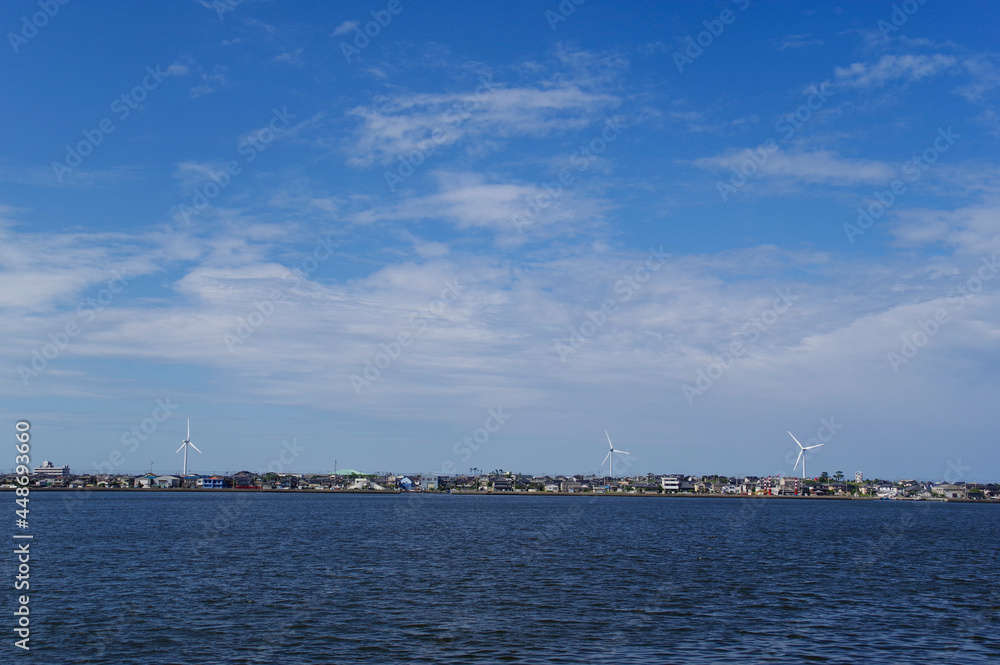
column 610, row 459
column 187, row 442
column 802, row 455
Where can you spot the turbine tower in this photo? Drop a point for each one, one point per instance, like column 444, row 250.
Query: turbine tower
column 610, row 459
column 187, row 442
column 802, row 456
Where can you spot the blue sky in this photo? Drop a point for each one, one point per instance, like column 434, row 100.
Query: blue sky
column 694, row 225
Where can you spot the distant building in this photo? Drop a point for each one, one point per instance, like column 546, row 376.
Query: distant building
column 887, row 491
column 147, row 480
column 671, row 483
column 49, row 470
column 244, row 480
column 950, row 491
column 859, row 477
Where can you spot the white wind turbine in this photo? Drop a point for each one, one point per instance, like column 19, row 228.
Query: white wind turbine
column 802, row 454
column 187, row 442
column 610, row 459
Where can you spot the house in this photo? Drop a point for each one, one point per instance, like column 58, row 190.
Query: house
column 887, row 491
column 950, row 491
column 148, row 480
column 166, row 481
column 366, row 484
column 244, row 480
column 503, row 485
column 214, row 483
column 288, row 482
column 570, row 486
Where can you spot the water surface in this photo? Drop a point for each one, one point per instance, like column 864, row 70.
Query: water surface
column 324, row 578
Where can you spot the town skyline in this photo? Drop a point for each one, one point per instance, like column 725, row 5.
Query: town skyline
column 697, row 227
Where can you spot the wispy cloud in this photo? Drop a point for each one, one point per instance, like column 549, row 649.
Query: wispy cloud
column 345, row 28
column 289, row 57
column 489, row 110
column 822, row 166
column 890, row 68
column 796, row 41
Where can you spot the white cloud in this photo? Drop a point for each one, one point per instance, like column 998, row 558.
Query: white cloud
column 822, row 166
column 400, row 125
column 796, row 41
column 468, row 201
column 972, row 230
column 345, row 28
column 891, row 68
column 289, row 57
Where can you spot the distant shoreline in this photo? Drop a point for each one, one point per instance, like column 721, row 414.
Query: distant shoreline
column 677, row 495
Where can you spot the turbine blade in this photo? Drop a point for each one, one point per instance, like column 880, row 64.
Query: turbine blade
column 605, row 458
column 179, row 449
column 609, row 440
column 798, row 459
column 194, row 446
column 189, row 428
column 794, row 439
column 621, row 452
column 816, row 446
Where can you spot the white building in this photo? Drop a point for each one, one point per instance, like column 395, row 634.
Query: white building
column 671, row 483
column 49, row 470
column 950, row 491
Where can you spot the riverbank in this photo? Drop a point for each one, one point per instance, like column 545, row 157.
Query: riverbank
column 620, row 495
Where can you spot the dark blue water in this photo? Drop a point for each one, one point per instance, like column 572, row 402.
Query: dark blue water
column 279, row 578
